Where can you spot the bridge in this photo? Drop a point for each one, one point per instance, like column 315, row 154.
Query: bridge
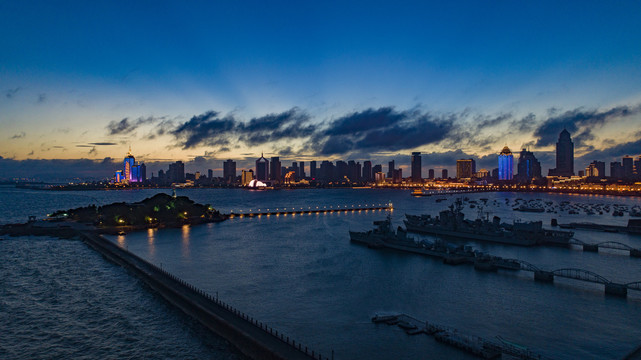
column 611, row 287
column 285, row 211
column 634, row 252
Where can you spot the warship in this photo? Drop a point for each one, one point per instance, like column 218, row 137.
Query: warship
column 452, row 223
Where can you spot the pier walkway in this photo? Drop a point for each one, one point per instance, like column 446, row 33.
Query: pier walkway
column 309, row 210
column 253, row 338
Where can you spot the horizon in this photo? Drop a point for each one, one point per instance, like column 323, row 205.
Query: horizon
column 361, row 81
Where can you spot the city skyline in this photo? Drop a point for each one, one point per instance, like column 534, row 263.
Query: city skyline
column 330, row 82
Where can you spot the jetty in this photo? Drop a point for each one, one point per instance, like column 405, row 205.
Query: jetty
column 285, row 211
column 474, row 345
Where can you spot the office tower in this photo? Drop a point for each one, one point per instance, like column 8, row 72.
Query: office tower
column 379, row 177
column 564, row 156
column 390, row 169
column 128, row 164
column 340, row 170
column 275, row 173
column 367, row 171
column 465, row 168
column 197, row 175
column 295, row 169
column 506, row 164
column 353, row 171
column 377, row 169
column 397, row 176
column 616, row 170
column 628, row 167
column 262, row 169
column 444, row 174
column 312, row 169
column 596, row 169
column 229, row 171
column 430, row 174
column 417, row 176
column 301, row 165
column 210, row 173
column 327, row 171
column 528, row 167
column 176, row 173
column 246, row 177
column 143, row 173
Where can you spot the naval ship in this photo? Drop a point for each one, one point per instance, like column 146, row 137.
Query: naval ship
column 452, row 223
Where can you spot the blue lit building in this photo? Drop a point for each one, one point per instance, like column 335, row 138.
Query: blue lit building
column 506, row 164
column 131, row 172
column 128, row 165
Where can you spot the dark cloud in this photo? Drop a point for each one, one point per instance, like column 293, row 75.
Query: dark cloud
column 207, row 129
column 383, row 129
column 42, row 98
column 19, row 135
column 93, row 151
column 103, row 143
column 290, row 124
column 31, row 153
column 579, row 123
column 126, row 126
column 612, row 153
column 11, row 92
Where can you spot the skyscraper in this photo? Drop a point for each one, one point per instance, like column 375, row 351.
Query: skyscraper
column 628, row 167
column 390, row 169
column 312, row 169
column 378, row 168
column 176, row 173
column 417, row 176
column 506, row 164
column 444, row 174
column 229, row 171
column 564, row 156
column 262, row 168
column 274, row 169
column 528, row 167
column 128, row 164
column 367, row 171
column 596, row 169
column 465, row 168
column 301, row 165
column 430, row 174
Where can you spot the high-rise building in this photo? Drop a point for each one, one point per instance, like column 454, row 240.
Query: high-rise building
column 616, row 170
column 353, row 171
column 528, row 167
column 262, row 168
column 340, row 170
column 210, row 174
column 176, row 173
column 229, row 171
column 128, row 164
column 275, row 173
column 390, row 169
column 465, row 168
column 378, row 168
column 637, row 167
column 564, row 156
column 444, row 174
column 295, row 169
column 506, row 164
column 246, row 177
column 301, row 166
column 397, row 176
column 430, row 174
column 417, row 176
column 312, row 169
column 326, row 171
column 628, row 167
column 367, row 171
column 596, row 169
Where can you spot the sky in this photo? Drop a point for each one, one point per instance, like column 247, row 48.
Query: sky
column 202, row 82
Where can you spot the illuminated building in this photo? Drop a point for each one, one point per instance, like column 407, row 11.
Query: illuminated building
column 417, row 176
column 564, row 156
column 118, row 176
column 131, row 172
column 596, row 169
column 128, row 164
column 379, row 177
column 528, row 167
column 262, row 168
column 377, row 168
column 483, row 174
column 506, row 164
column 465, row 168
column 246, row 177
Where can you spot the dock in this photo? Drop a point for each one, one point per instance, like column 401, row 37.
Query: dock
column 309, row 210
column 474, row 345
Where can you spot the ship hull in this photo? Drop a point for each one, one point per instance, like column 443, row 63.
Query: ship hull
column 432, row 230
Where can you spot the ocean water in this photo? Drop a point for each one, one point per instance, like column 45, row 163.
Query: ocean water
column 301, row 275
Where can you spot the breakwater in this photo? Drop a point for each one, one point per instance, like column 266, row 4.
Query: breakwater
column 253, row 338
column 309, row 210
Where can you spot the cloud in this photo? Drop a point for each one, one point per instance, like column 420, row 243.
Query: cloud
column 614, row 152
column 31, row 153
column 579, row 123
column 290, row 124
column 103, row 143
column 9, row 94
column 93, row 151
column 19, row 135
column 382, row 129
column 42, row 98
column 126, row 126
column 207, row 129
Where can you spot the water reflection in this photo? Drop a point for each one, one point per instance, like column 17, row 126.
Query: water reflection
column 185, row 241
column 151, row 237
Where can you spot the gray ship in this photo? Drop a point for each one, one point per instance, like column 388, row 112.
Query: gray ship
column 452, row 223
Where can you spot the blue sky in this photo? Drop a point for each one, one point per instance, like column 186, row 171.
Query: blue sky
column 70, row 69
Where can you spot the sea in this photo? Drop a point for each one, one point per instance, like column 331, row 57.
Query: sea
column 301, row 275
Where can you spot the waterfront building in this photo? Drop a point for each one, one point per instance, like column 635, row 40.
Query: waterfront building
column 229, row 171
column 390, row 169
column 128, row 164
column 564, row 156
column 210, row 174
column 506, row 164
column 312, row 169
column 417, row 176
column 430, row 174
column 262, row 168
column 616, row 170
column 483, row 174
column 176, row 172
column 378, row 168
column 628, row 167
column 397, row 176
column 340, row 171
column 379, row 177
column 275, row 172
column 353, row 170
column 637, row 168
column 118, row 177
column 465, row 168
column 301, row 165
column 246, row 177
column 367, row 171
column 596, row 169
column 294, row 168
column 528, row 167
column 326, row 172
column 444, row 174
